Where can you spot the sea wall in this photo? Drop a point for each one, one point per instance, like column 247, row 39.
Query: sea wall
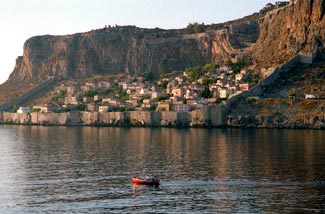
column 207, row 117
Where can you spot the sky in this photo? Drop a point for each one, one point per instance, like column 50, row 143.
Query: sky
column 22, row 19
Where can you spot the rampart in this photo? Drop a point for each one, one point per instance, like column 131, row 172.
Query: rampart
column 29, row 94
column 304, row 58
column 208, row 117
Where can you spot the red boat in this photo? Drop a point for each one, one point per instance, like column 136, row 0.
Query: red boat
column 146, row 180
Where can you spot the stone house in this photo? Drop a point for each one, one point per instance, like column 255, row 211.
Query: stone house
column 88, row 86
column 87, row 99
column 71, row 90
column 176, row 100
column 98, row 97
column 311, row 96
column 92, row 107
column 164, row 106
column 125, row 86
column 245, row 86
column 103, row 108
column 223, row 92
column 47, row 108
column 72, row 100
column 239, row 77
column 144, row 91
column 182, row 108
column 134, row 103
column 104, row 85
column 178, row 92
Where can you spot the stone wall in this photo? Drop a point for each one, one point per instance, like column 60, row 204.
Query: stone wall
column 208, row 117
column 49, row 118
column 307, row 58
column 257, row 90
column 29, row 94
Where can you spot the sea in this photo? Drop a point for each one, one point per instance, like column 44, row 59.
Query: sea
column 51, row 169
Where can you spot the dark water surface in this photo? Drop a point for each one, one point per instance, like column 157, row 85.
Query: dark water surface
column 88, row 170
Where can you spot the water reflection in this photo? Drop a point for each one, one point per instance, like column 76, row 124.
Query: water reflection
column 88, row 169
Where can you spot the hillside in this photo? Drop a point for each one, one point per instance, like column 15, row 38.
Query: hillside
column 260, row 42
column 283, row 104
column 126, row 49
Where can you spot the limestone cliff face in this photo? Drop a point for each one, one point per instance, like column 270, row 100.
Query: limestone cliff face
column 287, row 31
column 121, row 49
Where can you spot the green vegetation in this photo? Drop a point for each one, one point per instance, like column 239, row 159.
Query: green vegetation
column 14, row 109
column 208, row 68
column 206, row 93
column 60, row 94
column 219, row 100
column 194, row 72
column 36, row 110
column 236, row 67
column 164, row 84
column 195, row 28
column 79, row 107
column 90, row 93
column 162, row 97
column 147, row 75
column 120, row 93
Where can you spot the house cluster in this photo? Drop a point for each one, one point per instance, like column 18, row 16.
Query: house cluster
column 171, row 93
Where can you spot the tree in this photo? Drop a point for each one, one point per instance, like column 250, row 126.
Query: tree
column 147, row 75
column 195, row 28
column 207, row 68
column 90, row 93
column 60, row 94
column 194, row 72
column 206, row 93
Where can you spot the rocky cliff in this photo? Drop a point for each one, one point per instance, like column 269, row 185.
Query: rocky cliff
column 279, row 35
column 284, row 32
column 125, row 49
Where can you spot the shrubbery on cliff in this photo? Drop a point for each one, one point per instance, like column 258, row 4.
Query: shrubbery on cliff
column 195, row 28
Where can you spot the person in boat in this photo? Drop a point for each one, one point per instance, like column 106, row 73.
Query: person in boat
column 154, row 178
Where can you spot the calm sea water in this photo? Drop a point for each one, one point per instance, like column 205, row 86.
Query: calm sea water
column 88, row 170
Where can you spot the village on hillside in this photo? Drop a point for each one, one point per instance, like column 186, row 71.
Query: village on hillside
column 192, row 89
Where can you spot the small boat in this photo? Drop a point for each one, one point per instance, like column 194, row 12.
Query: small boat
column 153, row 180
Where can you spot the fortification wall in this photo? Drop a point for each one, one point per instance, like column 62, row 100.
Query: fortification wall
column 27, row 95
column 90, row 118
column 168, row 118
column 49, row 118
column 257, row 90
column 140, row 118
column 200, row 118
column 114, row 118
column 15, row 118
column 216, row 115
column 307, row 58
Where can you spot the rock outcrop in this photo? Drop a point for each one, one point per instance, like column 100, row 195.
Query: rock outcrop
column 279, row 35
column 127, row 49
column 286, row 31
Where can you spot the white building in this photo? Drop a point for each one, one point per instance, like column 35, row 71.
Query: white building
column 223, row 92
column 22, row 110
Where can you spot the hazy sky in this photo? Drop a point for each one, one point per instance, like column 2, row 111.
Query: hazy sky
column 22, row 19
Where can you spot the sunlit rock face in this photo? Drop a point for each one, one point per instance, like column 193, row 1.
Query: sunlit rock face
column 129, row 49
column 284, row 32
